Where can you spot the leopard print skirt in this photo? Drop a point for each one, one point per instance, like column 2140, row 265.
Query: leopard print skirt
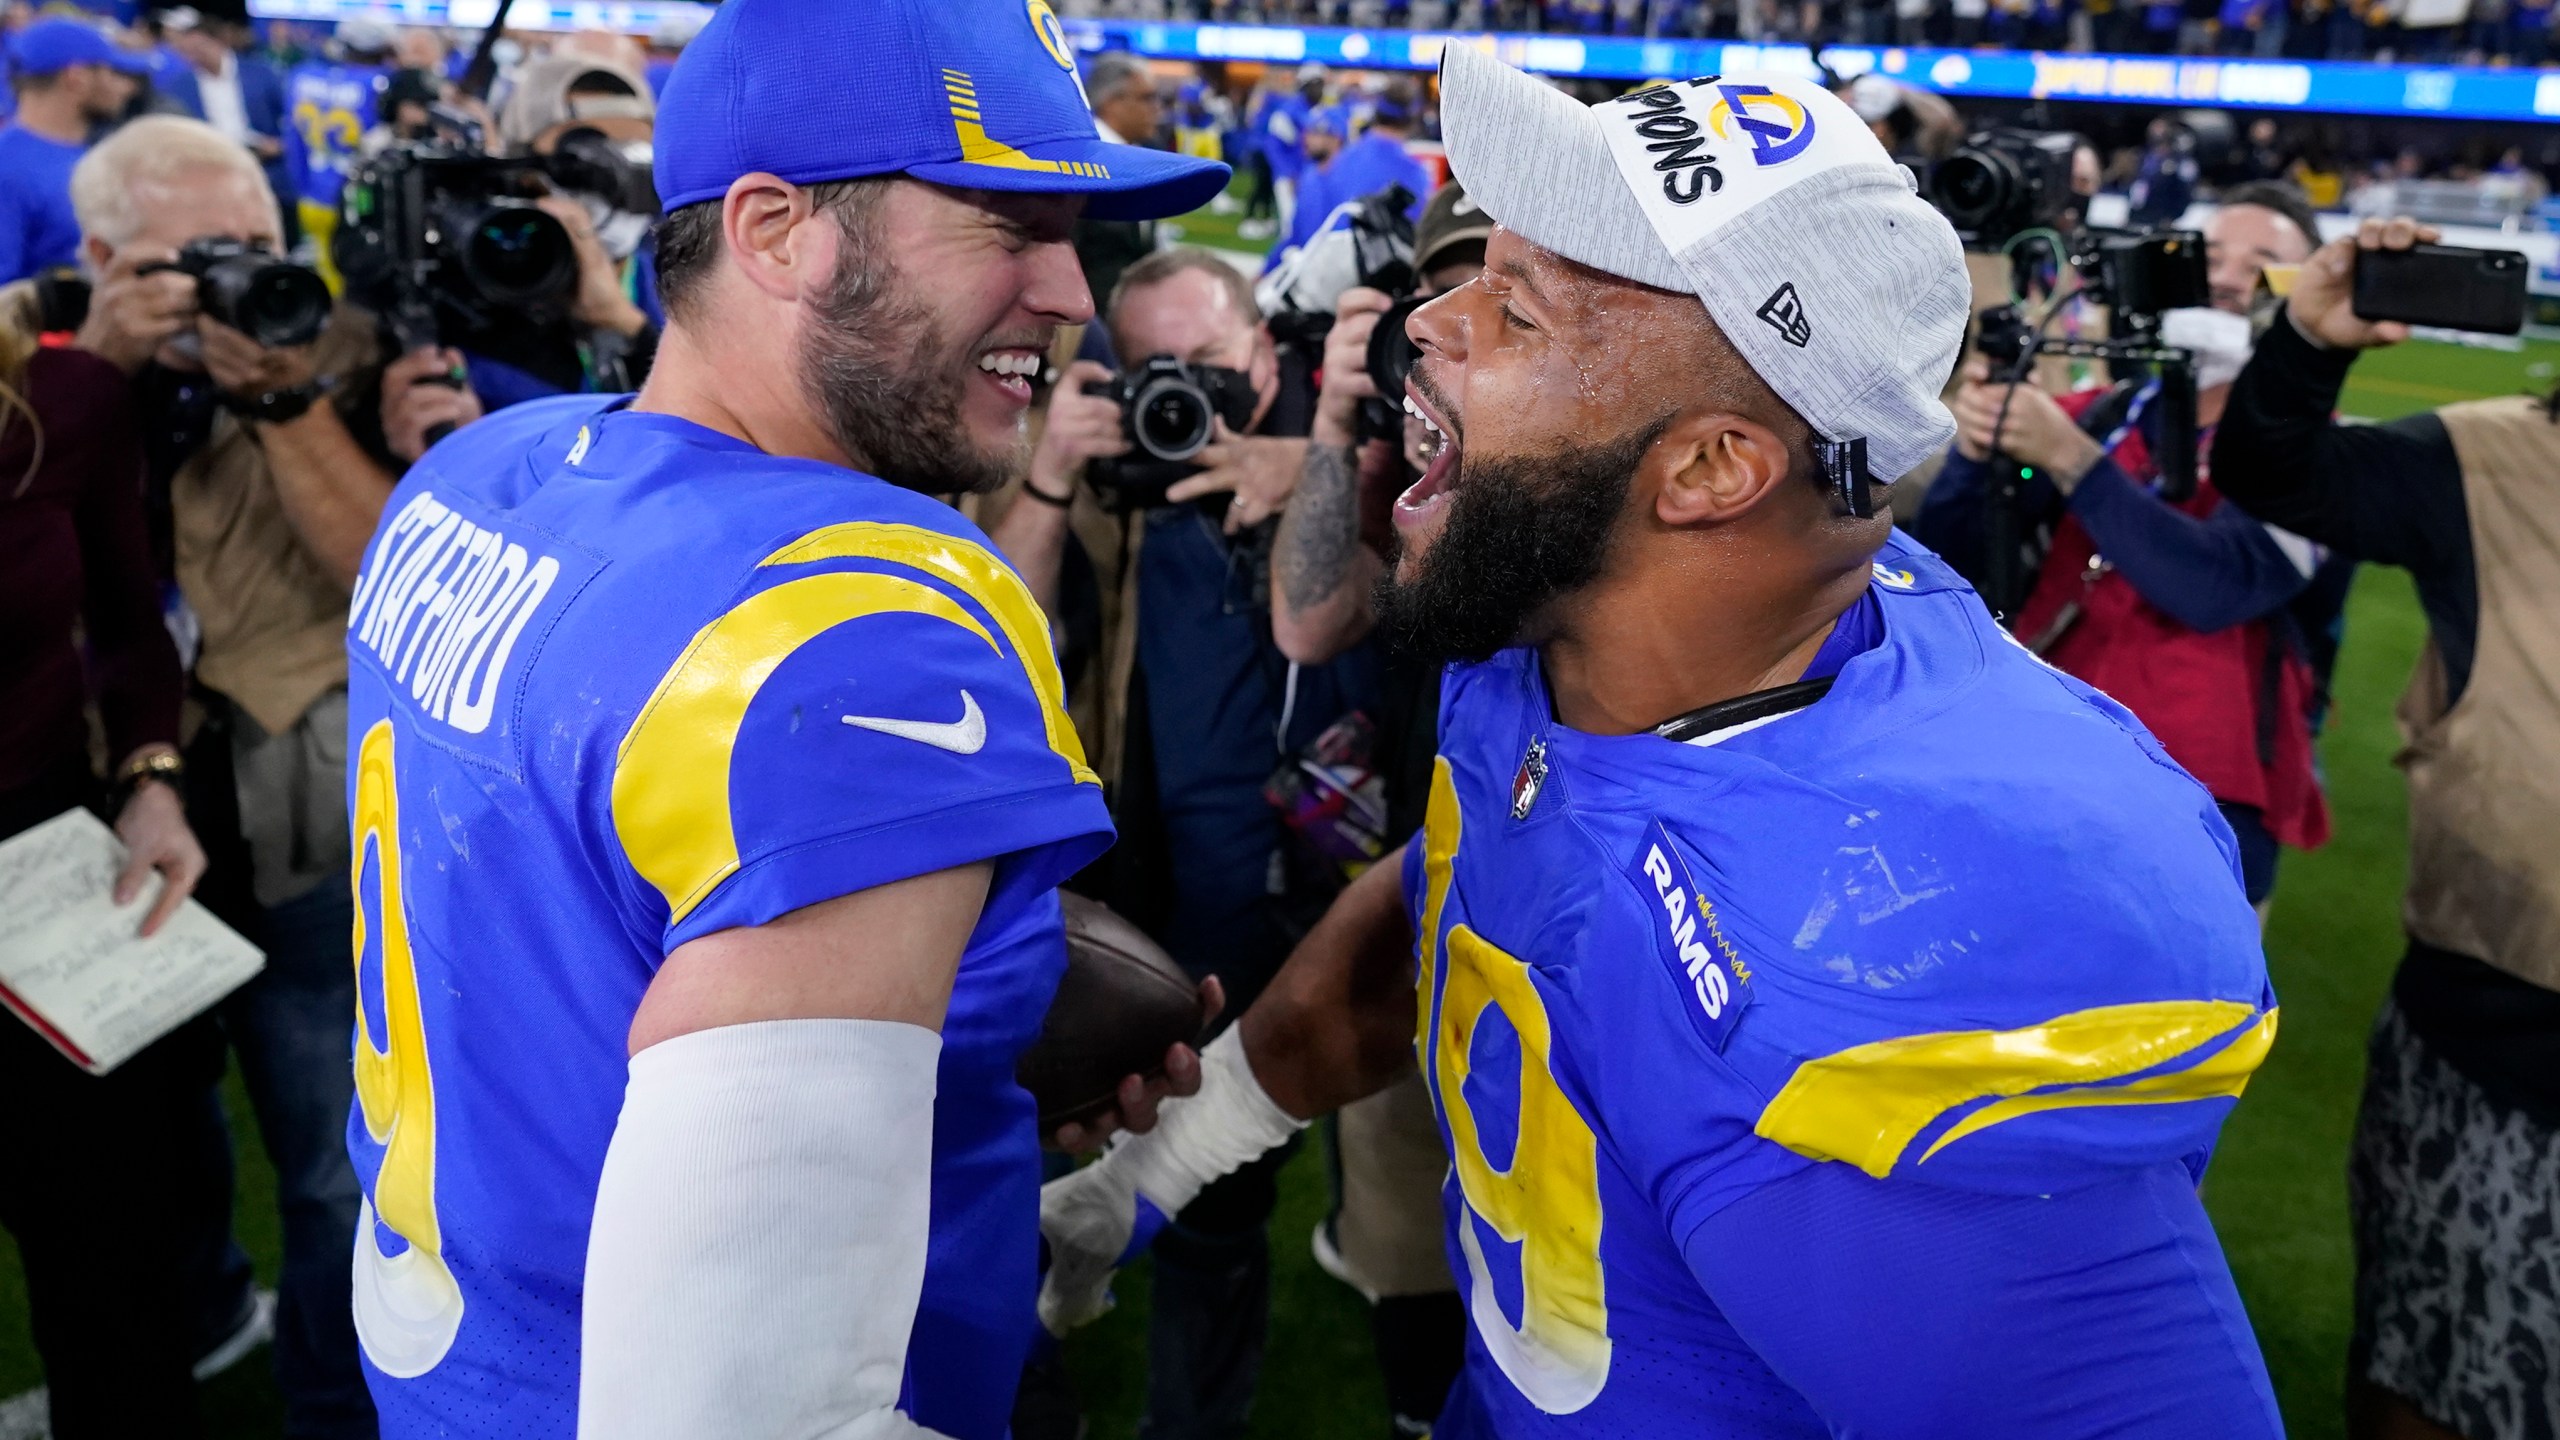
column 2456, row 1204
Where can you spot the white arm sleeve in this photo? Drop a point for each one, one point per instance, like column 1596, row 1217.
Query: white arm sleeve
column 1091, row 1216
column 759, row 1236
column 1199, row 1138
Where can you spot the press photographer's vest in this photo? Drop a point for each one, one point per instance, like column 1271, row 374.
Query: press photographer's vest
column 2484, row 775
column 2232, row 705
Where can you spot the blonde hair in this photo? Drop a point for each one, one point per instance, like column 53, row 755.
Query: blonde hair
column 18, row 343
column 152, row 152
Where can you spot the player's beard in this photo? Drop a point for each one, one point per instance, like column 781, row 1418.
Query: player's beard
column 889, row 384
column 1522, row 532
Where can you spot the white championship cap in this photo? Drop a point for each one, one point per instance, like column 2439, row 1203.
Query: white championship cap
column 1766, row 197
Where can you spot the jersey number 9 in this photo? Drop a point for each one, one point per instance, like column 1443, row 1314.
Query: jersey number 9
column 407, row 1306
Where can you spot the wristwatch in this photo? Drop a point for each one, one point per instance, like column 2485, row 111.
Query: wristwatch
column 276, row 407
column 162, row 767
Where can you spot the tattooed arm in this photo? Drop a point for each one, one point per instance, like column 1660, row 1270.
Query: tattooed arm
column 1320, row 572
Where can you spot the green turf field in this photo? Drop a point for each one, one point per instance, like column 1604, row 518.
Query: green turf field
column 2277, row 1192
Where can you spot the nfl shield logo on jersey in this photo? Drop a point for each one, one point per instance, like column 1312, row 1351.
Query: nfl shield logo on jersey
column 1533, row 774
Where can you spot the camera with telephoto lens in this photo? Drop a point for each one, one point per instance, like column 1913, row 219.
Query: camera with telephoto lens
column 272, row 301
column 2001, row 182
column 1166, row 409
column 443, row 241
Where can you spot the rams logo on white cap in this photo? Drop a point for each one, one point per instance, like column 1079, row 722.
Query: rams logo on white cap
column 1778, row 127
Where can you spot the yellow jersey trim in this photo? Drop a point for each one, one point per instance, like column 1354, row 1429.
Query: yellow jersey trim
column 975, row 572
column 671, row 775
column 1865, row 1105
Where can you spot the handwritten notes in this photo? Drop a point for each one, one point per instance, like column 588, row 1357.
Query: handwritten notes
column 73, row 964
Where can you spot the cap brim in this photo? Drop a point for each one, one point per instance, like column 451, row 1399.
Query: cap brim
column 1533, row 158
column 1123, row 182
column 1427, row 258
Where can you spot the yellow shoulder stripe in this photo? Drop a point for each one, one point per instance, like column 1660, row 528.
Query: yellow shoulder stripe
column 983, row 578
column 671, row 776
column 1866, row 1104
column 2225, row 1072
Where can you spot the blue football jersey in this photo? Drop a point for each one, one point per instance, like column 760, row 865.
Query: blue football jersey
column 1962, row 924
column 619, row 681
column 328, row 107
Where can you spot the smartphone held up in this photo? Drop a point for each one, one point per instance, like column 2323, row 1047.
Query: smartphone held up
column 2448, row 287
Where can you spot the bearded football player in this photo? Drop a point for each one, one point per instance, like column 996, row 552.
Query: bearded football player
column 1829, row 1008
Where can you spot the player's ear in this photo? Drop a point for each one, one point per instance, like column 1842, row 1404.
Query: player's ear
column 765, row 224
column 1715, row 468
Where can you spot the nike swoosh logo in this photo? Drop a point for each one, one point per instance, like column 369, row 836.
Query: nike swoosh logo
column 964, row 736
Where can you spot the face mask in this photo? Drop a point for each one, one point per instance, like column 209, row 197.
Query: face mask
column 2219, row 339
column 619, row 231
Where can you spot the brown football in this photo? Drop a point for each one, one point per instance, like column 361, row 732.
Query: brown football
column 1120, row 1005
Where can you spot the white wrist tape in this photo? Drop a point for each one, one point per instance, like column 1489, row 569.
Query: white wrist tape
column 759, row 1237
column 1198, row 1138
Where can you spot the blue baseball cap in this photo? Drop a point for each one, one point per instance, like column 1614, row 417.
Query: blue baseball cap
column 970, row 93
column 56, row 43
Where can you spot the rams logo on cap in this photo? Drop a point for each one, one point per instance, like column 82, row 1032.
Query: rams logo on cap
column 1053, row 36
column 1777, row 126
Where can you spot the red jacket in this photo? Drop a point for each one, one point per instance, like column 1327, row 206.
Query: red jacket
column 2232, row 706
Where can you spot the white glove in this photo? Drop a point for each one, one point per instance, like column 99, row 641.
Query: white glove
column 1096, row 1219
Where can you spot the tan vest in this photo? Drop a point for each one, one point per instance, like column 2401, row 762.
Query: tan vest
column 2484, row 776
column 275, row 622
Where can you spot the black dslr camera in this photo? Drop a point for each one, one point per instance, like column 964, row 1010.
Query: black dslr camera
column 443, row 242
column 2001, row 182
column 274, row 302
column 1166, row 406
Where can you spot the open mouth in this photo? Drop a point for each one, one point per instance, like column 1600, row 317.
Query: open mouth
column 1009, row 369
column 1426, row 496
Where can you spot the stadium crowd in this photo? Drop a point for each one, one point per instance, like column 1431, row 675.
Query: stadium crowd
column 241, row 309
column 2477, row 32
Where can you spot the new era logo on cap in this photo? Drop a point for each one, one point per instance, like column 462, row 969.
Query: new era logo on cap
column 1785, row 314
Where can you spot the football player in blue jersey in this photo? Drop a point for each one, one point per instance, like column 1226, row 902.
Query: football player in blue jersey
column 1829, row 1008
column 711, row 780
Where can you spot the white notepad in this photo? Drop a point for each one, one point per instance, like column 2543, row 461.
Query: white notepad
column 73, row 964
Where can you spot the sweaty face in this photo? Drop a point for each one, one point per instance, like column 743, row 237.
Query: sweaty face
column 919, row 350
column 1542, row 385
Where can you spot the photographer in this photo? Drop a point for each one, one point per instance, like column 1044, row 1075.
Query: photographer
column 607, row 114
column 2452, row 1179
column 276, row 460
column 2178, row 609
column 1203, row 708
